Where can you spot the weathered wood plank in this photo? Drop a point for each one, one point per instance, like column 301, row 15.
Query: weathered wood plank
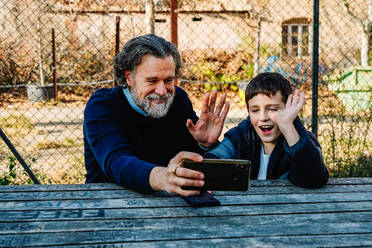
column 344, row 240
column 60, row 187
column 117, row 194
column 211, row 223
column 179, row 212
column 177, row 201
column 70, row 195
column 183, row 233
column 108, row 186
column 270, row 213
column 350, row 180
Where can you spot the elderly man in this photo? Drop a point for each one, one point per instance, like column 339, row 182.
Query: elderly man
column 138, row 133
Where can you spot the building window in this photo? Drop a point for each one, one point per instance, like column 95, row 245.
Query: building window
column 196, row 19
column 296, row 37
column 160, row 20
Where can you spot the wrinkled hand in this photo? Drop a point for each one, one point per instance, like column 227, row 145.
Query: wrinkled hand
column 294, row 104
column 173, row 177
column 210, row 124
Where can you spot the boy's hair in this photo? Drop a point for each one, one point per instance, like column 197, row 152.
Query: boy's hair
column 268, row 83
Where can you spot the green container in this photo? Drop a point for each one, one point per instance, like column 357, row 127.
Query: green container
column 353, row 87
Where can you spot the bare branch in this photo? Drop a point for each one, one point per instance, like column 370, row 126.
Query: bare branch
column 346, row 7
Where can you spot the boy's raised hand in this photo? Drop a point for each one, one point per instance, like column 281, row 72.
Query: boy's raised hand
column 284, row 119
column 293, row 106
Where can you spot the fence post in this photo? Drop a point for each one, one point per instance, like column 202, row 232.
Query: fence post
column 117, row 40
column 174, row 22
column 117, row 35
column 55, row 90
column 315, row 76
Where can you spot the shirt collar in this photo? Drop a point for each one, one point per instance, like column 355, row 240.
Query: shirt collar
column 131, row 102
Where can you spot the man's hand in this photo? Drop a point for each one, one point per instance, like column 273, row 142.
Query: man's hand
column 284, row 119
column 173, row 177
column 210, row 124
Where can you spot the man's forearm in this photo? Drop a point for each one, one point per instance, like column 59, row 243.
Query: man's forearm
column 157, row 178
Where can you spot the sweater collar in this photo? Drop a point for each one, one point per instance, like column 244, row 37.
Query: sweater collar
column 131, row 102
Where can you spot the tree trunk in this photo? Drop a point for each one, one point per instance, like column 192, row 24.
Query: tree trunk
column 365, row 41
column 369, row 29
column 257, row 47
column 150, row 16
column 364, row 49
column 40, row 50
column 365, row 29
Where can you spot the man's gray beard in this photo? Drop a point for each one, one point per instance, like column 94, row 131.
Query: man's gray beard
column 158, row 110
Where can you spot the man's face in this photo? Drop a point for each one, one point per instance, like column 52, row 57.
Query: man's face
column 262, row 110
column 152, row 85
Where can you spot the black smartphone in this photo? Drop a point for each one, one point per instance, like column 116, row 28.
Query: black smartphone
column 221, row 174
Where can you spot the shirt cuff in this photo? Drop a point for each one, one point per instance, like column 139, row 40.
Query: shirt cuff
column 202, row 147
column 208, row 148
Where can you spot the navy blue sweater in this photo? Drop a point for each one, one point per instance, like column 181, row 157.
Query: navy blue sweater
column 123, row 146
column 301, row 163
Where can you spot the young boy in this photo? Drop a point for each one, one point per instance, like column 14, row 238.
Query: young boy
column 273, row 137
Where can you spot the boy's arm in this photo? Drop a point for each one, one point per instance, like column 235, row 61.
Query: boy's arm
column 307, row 168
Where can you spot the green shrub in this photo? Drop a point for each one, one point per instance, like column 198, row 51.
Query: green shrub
column 8, row 178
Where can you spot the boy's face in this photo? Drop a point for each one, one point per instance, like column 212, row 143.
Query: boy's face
column 262, row 110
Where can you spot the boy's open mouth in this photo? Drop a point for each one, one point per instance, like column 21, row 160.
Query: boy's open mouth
column 266, row 129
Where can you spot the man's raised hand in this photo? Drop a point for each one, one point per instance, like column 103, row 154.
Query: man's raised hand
column 210, row 124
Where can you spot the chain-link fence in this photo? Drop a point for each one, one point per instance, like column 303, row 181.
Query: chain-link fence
column 223, row 43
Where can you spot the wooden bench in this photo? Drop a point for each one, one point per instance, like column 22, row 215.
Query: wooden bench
column 269, row 214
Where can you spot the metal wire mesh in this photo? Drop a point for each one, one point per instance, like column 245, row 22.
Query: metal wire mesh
column 223, row 44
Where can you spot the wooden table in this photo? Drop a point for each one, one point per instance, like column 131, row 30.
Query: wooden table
column 269, row 214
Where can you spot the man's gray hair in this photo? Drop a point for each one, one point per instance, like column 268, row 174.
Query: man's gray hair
column 135, row 49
